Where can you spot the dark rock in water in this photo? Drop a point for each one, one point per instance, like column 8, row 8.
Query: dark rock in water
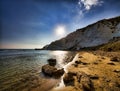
column 48, row 70
column 58, row 73
column 52, row 71
column 115, row 59
column 52, row 62
column 68, row 79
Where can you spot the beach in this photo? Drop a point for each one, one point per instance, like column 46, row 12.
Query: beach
column 92, row 71
column 20, row 70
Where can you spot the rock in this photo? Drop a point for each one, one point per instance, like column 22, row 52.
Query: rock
column 58, row 73
column 95, row 63
column 52, row 71
column 85, row 81
column 114, row 59
column 107, row 80
column 84, row 63
column 80, row 57
column 117, row 70
column 72, row 73
column 114, row 84
column 111, row 63
column 78, row 62
column 48, row 70
column 52, row 62
column 94, row 77
column 68, row 79
column 102, row 57
column 76, row 65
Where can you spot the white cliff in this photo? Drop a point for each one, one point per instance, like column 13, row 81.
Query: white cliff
column 93, row 35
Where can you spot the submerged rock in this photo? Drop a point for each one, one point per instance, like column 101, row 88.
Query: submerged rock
column 52, row 62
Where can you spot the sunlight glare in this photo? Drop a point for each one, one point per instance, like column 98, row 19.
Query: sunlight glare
column 60, row 30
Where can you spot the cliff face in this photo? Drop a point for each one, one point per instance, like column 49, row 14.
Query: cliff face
column 93, row 35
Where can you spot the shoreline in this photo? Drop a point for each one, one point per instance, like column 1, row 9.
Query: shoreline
column 97, row 65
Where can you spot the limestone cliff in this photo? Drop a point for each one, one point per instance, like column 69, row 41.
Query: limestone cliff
column 95, row 34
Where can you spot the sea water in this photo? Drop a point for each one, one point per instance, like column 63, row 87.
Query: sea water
column 20, row 70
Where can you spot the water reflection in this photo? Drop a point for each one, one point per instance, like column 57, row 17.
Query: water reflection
column 23, row 69
column 61, row 84
column 61, row 56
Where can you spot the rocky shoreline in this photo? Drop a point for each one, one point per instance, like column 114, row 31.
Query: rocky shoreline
column 92, row 71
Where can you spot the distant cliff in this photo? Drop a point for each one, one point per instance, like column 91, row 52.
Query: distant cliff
column 95, row 34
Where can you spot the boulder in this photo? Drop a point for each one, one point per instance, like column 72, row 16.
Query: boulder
column 49, row 70
column 68, row 79
column 85, row 82
column 52, row 62
column 58, row 73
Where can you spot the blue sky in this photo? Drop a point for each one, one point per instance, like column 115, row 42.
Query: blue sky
column 32, row 23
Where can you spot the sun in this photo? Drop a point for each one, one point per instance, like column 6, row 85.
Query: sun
column 60, row 30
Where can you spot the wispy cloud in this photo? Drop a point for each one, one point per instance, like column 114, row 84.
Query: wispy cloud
column 88, row 4
column 82, row 8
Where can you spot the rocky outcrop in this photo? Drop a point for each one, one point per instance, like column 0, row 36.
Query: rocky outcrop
column 80, row 80
column 52, row 62
column 52, row 71
column 68, row 79
column 95, row 34
column 58, row 73
column 48, row 70
column 85, row 81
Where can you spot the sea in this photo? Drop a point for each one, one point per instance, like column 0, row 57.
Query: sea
column 20, row 69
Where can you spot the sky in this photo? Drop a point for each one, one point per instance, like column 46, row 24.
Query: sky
column 36, row 23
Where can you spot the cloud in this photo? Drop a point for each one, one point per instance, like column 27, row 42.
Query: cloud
column 88, row 4
column 82, row 7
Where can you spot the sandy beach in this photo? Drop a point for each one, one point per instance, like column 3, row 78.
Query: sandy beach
column 92, row 71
